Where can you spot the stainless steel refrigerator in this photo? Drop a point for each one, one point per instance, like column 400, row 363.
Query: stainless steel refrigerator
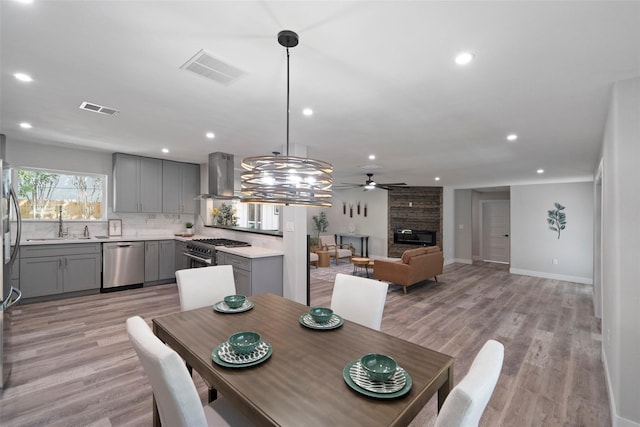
column 10, row 294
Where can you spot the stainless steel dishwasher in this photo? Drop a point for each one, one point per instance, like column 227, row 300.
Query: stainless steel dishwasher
column 122, row 265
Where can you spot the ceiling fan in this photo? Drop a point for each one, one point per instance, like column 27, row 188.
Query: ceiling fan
column 370, row 184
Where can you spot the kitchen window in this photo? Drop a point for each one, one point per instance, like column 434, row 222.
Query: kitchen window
column 83, row 196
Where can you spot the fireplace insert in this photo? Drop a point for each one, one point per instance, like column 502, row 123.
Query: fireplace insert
column 409, row 236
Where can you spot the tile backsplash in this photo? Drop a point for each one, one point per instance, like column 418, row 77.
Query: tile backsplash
column 132, row 225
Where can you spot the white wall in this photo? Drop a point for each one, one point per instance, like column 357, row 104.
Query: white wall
column 621, row 253
column 534, row 245
column 373, row 225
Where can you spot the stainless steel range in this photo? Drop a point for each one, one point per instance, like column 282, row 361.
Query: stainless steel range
column 202, row 252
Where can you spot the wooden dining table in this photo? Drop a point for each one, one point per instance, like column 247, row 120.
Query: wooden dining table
column 302, row 382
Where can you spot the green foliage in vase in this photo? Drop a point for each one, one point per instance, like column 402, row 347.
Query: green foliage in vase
column 320, row 223
column 557, row 219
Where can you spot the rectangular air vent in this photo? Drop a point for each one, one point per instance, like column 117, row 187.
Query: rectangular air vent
column 98, row 108
column 206, row 65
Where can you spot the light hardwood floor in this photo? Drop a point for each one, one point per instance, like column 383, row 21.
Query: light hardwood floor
column 73, row 365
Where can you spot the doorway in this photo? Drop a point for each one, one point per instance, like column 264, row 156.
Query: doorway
column 494, row 231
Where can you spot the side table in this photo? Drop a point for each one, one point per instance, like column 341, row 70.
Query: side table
column 323, row 258
column 360, row 263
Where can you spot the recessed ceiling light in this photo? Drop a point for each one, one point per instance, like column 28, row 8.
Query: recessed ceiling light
column 23, row 77
column 25, row 125
column 540, row 171
column 210, row 135
column 464, row 58
column 437, row 178
column 307, row 112
column 512, row 137
column 372, row 156
column 165, row 150
column 24, row 1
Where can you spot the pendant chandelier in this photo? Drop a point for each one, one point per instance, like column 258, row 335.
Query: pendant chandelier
column 286, row 180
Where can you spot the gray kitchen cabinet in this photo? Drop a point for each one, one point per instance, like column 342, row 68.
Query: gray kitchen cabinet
column 151, row 260
column 137, row 184
column 180, row 186
column 166, row 259
column 254, row 276
column 182, row 262
column 159, row 260
column 56, row 269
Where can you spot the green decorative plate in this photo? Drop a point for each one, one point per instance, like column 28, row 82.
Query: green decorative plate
column 333, row 323
column 222, row 307
column 346, row 374
column 215, row 356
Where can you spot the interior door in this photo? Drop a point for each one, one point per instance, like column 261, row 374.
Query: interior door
column 495, row 231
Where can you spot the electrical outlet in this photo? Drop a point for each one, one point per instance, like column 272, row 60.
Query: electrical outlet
column 555, row 261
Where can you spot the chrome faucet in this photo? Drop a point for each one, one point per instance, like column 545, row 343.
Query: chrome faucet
column 61, row 232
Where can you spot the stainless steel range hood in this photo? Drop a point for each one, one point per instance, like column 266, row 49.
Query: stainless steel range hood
column 221, row 177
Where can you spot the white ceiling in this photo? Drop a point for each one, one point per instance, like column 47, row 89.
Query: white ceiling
column 379, row 76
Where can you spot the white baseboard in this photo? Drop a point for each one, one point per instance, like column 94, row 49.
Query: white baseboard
column 545, row 275
column 616, row 420
column 463, row 261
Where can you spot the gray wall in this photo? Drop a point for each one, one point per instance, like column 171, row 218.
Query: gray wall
column 621, row 253
column 463, row 226
column 534, row 245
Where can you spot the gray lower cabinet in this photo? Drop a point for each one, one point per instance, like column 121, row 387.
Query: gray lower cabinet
column 151, row 260
column 159, row 260
column 56, row 269
column 182, row 262
column 254, row 276
column 167, row 259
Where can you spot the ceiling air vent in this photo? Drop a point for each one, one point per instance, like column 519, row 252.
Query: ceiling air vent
column 204, row 64
column 98, row 109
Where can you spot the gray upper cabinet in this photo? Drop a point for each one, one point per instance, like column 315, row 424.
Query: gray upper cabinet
column 180, row 186
column 137, row 184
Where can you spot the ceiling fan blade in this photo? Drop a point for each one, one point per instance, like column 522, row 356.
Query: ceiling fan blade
column 392, row 184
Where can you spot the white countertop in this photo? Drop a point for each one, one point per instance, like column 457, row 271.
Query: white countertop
column 61, row 241
column 245, row 251
column 251, row 251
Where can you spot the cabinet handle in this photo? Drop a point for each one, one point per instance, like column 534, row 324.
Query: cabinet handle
column 59, row 263
column 66, row 262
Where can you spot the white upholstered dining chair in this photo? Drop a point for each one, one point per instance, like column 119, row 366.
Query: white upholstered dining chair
column 199, row 287
column 176, row 396
column 464, row 406
column 359, row 299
